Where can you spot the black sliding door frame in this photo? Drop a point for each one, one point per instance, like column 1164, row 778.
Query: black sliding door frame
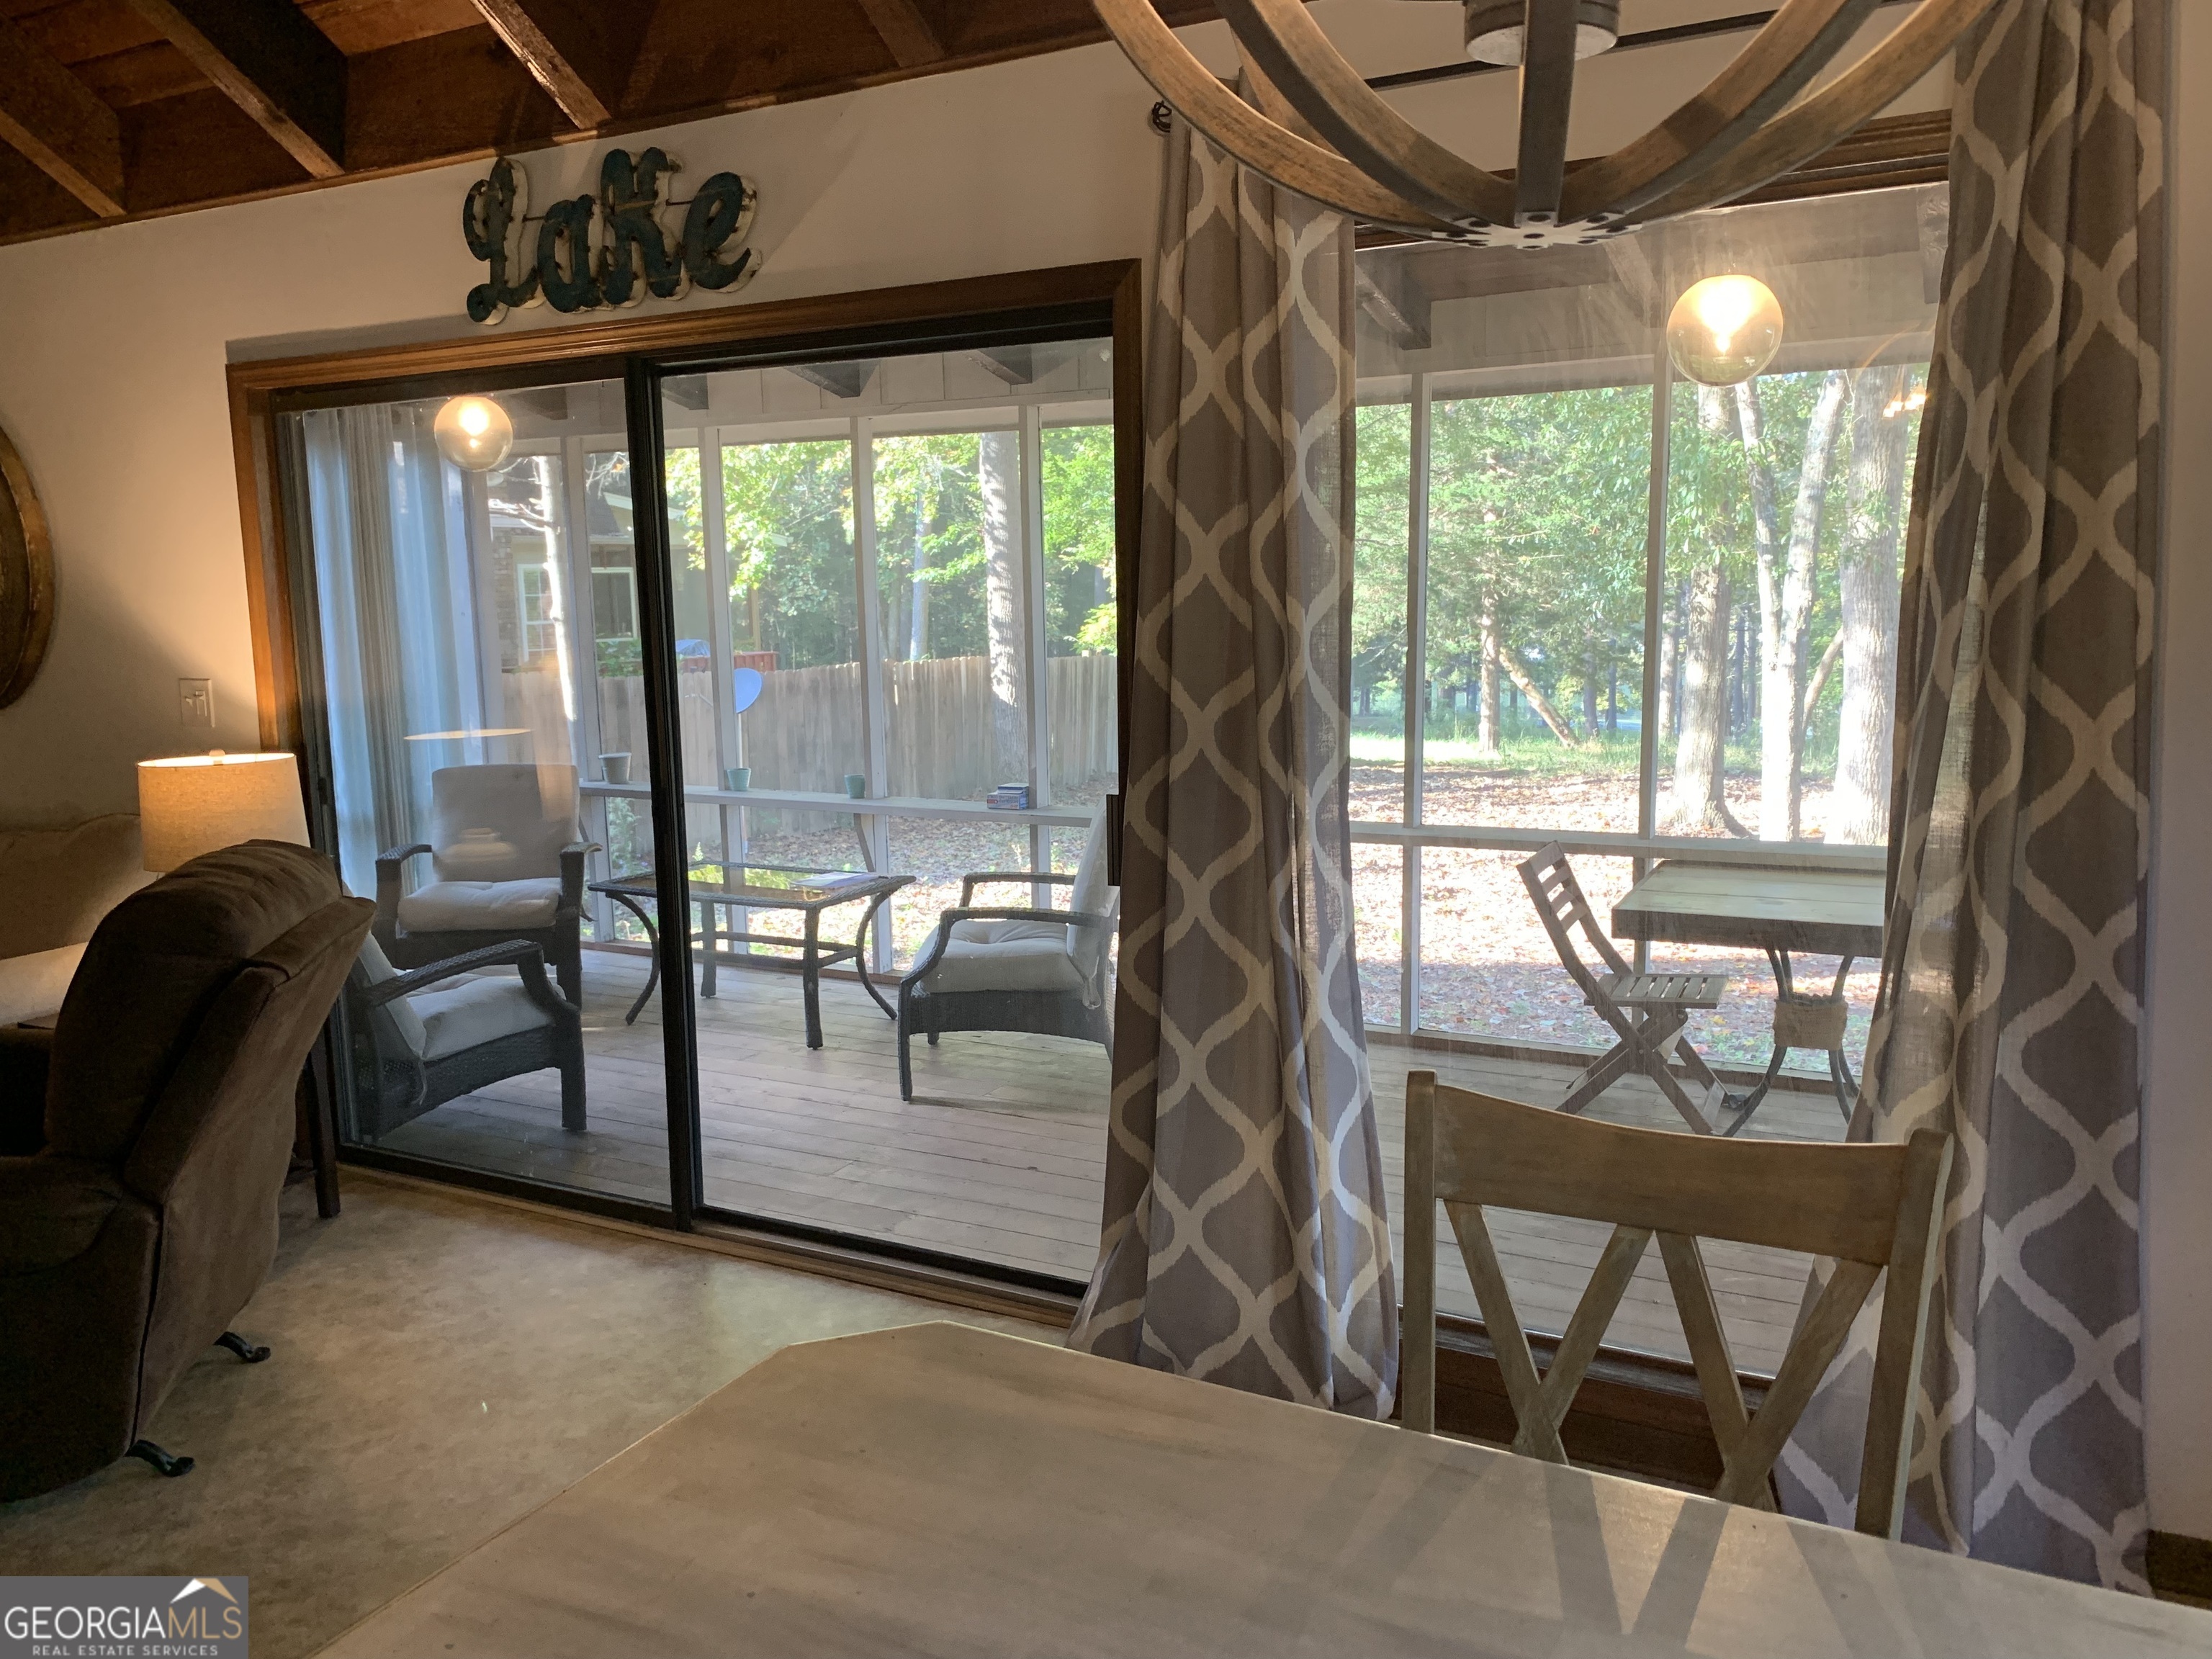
column 664, row 740
column 644, row 384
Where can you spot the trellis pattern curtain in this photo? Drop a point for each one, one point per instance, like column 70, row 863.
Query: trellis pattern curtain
column 1244, row 1237
column 2009, row 1010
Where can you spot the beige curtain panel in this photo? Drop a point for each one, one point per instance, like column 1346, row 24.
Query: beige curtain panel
column 1244, row 1235
column 2009, row 1012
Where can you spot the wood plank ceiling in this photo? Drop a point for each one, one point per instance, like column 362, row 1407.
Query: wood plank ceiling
column 112, row 109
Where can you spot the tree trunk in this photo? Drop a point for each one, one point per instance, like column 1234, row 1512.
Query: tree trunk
column 1000, row 467
column 1545, row 710
column 917, row 645
column 1874, row 513
column 1589, row 688
column 1822, row 673
column 1738, row 674
column 1785, row 597
column 1695, row 805
column 1487, row 735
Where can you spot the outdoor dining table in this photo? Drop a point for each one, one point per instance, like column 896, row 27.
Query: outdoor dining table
column 943, row 1490
column 1829, row 913
column 765, row 887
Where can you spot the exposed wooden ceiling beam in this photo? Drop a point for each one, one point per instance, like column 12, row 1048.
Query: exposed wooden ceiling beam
column 54, row 119
column 582, row 51
column 273, row 63
column 913, row 29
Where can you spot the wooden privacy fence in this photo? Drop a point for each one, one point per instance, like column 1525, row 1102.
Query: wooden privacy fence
column 805, row 733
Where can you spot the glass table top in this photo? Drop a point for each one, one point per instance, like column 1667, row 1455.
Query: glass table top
column 762, row 883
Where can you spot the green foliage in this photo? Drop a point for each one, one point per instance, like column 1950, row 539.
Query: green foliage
column 1383, row 447
column 1539, row 502
column 788, row 510
column 929, row 499
column 1079, row 538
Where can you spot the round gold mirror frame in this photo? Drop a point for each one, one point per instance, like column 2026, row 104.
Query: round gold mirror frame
column 27, row 577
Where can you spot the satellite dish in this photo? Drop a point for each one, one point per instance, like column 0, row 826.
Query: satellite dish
column 745, row 688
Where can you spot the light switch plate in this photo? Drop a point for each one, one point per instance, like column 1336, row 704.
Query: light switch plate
column 196, row 703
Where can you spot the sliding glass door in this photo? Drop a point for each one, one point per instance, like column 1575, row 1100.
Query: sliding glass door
column 665, row 775
column 892, row 579
column 470, row 673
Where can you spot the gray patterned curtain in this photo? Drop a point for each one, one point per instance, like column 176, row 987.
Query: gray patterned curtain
column 1244, row 1238
column 2009, row 1010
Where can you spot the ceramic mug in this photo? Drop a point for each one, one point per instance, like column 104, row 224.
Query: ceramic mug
column 856, row 785
column 737, row 778
column 615, row 769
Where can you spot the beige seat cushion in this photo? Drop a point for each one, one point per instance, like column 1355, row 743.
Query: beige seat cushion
column 35, row 984
column 1013, row 964
column 503, row 822
column 481, row 907
column 396, row 1019
column 1004, row 933
column 463, row 1014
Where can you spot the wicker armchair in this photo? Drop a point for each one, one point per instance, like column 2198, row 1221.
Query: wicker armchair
column 427, row 1037
column 1016, row 969
column 506, row 863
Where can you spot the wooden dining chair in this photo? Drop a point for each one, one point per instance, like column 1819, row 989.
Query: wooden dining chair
column 1647, row 1012
column 1871, row 1207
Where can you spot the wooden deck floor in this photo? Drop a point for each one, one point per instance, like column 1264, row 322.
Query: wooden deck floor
column 1000, row 1155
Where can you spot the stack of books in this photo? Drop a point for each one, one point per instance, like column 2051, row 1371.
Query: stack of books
column 1009, row 797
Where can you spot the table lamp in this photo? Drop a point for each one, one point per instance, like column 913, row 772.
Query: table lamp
column 195, row 804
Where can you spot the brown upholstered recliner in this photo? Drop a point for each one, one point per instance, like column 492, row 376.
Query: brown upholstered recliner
column 144, row 1214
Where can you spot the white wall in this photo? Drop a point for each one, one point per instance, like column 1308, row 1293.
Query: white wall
column 2176, row 1127
column 112, row 344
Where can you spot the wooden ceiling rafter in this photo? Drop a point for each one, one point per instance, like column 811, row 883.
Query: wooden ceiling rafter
column 270, row 60
column 582, row 51
column 914, row 29
column 56, row 123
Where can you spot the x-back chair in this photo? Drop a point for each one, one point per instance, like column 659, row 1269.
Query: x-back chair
column 1647, row 1012
column 1873, row 1208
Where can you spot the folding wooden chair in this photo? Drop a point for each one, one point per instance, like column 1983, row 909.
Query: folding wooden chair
column 1871, row 1207
column 1646, row 1011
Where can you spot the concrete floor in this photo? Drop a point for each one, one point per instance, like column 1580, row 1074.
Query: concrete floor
column 442, row 1365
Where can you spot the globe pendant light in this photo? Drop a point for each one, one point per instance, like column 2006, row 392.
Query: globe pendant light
column 473, row 433
column 1724, row 330
column 1314, row 127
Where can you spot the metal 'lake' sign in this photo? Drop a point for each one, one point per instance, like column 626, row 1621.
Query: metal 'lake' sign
column 611, row 248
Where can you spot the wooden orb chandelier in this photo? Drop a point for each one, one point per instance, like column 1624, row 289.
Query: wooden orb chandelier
column 1315, row 127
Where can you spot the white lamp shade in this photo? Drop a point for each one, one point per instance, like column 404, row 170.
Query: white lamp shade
column 196, row 803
